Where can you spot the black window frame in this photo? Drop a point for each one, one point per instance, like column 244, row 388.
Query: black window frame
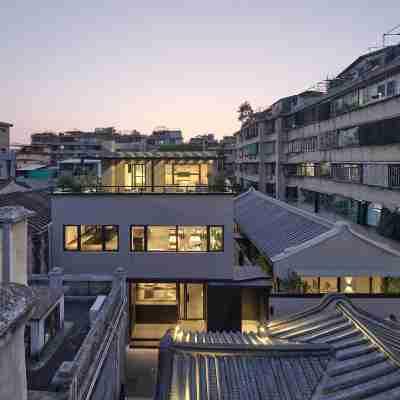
column 209, row 237
column 103, row 241
column 146, row 248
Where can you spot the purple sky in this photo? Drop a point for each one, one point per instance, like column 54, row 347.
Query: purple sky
column 183, row 64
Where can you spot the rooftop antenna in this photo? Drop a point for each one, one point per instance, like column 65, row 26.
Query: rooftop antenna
column 392, row 32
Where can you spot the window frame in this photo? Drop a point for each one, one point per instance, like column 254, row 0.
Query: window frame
column 146, row 247
column 103, row 241
column 131, row 249
column 209, row 238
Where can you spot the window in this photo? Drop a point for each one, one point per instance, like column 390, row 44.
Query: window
column 138, row 238
column 216, row 238
column 156, row 293
column 391, row 88
column 161, row 238
column 192, row 238
column 91, row 238
column 177, row 238
column 328, row 285
column 88, row 238
column 111, row 237
column 71, row 237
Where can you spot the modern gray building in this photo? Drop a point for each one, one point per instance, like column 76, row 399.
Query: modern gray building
column 158, row 215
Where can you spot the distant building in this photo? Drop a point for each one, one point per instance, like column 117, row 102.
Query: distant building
column 7, row 157
column 205, row 142
column 334, row 152
column 164, row 136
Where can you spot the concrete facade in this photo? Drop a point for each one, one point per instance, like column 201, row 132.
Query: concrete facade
column 128, row 209
column 337, row 145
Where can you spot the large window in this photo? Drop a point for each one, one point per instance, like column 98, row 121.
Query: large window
column 192, row 238
column 71, row 237
column 88, row 238
column 177, row 238
column 161, row 238
column 216, row 238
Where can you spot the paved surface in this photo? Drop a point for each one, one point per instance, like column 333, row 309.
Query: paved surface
column 78, row 312
column 141, row 366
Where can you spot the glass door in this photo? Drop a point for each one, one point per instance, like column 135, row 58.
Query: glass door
column 194, row 301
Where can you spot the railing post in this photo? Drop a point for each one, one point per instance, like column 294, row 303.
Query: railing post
column 120, row 279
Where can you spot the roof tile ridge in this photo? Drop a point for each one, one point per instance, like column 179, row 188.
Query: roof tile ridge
column 296, row 210
column 328, row 299
column 356, row 315
column 382, row 246
column 289, row 251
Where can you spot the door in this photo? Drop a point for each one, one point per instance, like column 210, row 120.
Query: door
column 194, row 301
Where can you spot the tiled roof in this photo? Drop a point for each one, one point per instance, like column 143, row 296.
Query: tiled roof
column 367, row 361
column 46, row 298
column 237, row 366
column 333, row 351
column 274, row 226
column 39, row 202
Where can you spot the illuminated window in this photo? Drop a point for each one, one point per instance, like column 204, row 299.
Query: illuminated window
column 161, row 238
column 138, row 238
column 216, row 238
column 91, row 238
column 328, row 285
column 192, row 238
column 156, row 293
column 71, row 237
column 110, row 237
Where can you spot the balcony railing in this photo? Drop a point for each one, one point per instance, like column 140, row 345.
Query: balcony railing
column 89, row 189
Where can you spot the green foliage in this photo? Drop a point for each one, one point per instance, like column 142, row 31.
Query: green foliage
column 391, row 285
column 264, row 264
column 67, row 182
column 245, row 112
column 293, row 284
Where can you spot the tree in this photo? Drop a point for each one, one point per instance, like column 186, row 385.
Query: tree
column 245, row 112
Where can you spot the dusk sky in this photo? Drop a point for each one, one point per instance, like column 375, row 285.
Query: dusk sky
column 182, row 64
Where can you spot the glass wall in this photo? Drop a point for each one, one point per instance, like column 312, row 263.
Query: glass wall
column 346, row 284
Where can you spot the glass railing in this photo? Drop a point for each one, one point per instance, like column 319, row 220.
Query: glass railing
column 145, row 189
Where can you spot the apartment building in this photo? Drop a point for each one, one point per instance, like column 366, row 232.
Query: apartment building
column 337, row 152
column 7, row 157
column 163, row 136
column 158, row 215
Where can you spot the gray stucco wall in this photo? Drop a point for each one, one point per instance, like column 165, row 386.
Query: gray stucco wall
column 12, row 366
column 149, row 209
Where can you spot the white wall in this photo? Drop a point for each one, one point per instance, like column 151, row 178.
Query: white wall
column 377, row 305
column 19, row 266
column 146, row 209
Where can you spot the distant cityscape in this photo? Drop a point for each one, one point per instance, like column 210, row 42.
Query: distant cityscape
column 263, row 265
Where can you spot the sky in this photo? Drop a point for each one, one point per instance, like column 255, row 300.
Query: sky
column 182, row 64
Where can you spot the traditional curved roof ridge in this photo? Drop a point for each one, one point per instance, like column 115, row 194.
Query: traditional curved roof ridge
column 367, row 348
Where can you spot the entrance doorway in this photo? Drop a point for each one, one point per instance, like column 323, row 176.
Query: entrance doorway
column 156, row 307
column 191, row 298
